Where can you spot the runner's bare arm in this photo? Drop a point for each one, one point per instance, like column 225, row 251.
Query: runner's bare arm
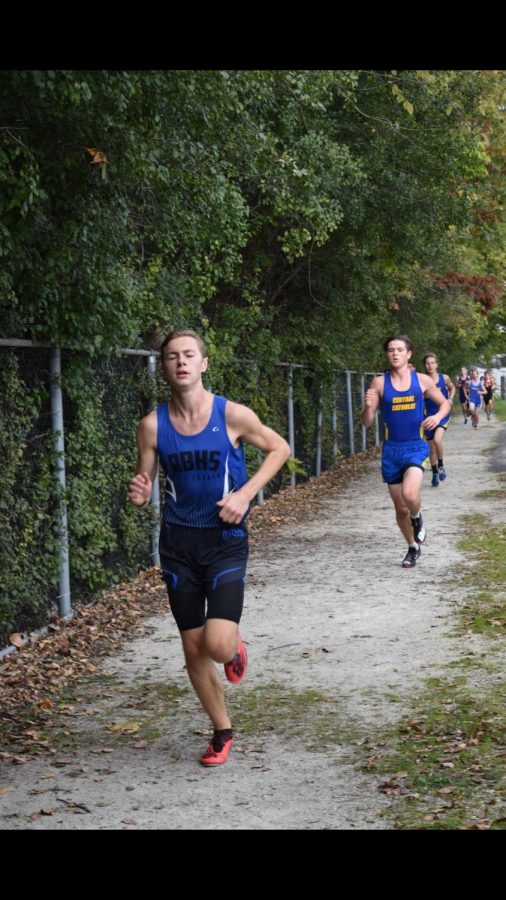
column 244, row 424
column 141, row 485
column 372, row 399
column 430, row 390
column 450, row 387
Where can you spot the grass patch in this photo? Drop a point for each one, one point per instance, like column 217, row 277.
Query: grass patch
column 308, row 715
column 140, row 714
column 157, row 696
column 485, row 546
column 15, row 733
column 494, row 494
column 446, row 765
column 500, row 409
column 143, row 712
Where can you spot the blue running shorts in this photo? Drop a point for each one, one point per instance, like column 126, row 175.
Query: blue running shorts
column 397, row 456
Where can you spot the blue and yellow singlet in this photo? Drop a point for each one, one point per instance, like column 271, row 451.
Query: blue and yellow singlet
column 402, row 411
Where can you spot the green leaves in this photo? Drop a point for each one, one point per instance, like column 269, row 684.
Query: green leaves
column 28, row 520
column 224, row 184
column 294, row 215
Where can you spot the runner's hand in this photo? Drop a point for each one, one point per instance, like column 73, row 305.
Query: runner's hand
column 430, row 423
column 139, row 489
column 233, row 508
column 371, row 397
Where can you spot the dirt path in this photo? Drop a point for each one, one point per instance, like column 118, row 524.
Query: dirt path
column 339, row 635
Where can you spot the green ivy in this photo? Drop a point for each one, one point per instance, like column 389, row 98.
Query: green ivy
column 28, row 500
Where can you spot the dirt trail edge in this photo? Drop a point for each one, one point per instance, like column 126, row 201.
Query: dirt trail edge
column 338, row 635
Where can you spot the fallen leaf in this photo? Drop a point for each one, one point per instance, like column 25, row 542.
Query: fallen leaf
column 46, row 703
column 124, row 727
column 98, row 157
column 16, row 639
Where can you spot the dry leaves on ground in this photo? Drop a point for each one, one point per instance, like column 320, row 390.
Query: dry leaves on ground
column 34, row 677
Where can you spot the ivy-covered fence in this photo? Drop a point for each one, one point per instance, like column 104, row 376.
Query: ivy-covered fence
column 104, row 397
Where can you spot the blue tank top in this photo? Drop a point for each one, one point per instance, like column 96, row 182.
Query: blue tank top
column 402, row 411
column 474, row 395
column 432, row 408
column 200, row 468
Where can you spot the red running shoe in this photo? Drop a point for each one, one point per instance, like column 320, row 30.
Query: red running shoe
column 218, row 750
column 235, row 670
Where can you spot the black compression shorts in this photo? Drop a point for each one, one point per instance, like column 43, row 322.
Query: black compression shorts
column 200, row 564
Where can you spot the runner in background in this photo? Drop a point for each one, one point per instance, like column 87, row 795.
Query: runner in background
column 400, row 393
column 463, row 388
column 489, row 385
column 476, row 392
column 436, row 435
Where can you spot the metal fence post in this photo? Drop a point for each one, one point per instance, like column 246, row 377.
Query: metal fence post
column 260, row 494
column 376, row 429
column 335, row 448
column 377, row 419
column 155, row 496
column 362, row 395
column 64, row 603
column 319, row 428
column 291, row 429
column 350, row 413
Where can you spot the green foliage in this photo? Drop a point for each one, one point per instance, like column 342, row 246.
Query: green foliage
column 108, row 539
column 28, row 501
column 326, row 198
column 294, row 216
column 295, row 466
column 500, row 409
column 107, row 534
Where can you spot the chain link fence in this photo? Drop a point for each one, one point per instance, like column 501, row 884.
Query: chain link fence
column 67, row 438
